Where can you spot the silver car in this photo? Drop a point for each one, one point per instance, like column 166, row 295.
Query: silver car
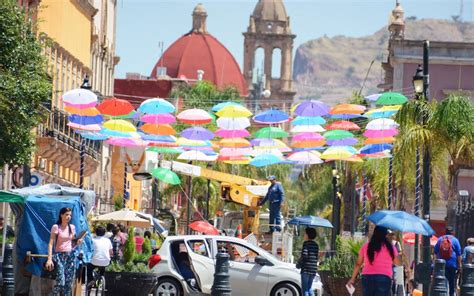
column 188, row 262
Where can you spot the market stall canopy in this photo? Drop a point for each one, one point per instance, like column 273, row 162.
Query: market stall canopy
column 127, row 216
column 6, row 196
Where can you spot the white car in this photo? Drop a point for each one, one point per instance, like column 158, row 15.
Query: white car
column 252, row 270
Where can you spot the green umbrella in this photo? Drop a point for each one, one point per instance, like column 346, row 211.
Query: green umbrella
column 166, row 176
column 271, row 132
column 165, row 150
column 391, row 98
column 6, row 196
column 337, row 135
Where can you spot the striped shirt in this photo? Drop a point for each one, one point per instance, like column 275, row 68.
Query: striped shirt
column 309, row 257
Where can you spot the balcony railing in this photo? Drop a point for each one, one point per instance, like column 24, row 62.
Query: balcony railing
column 56, row 127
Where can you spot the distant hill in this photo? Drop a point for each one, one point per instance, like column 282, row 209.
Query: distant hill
column 330, row 69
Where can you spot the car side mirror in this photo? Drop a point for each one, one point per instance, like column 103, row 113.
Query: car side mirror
column 262, row 261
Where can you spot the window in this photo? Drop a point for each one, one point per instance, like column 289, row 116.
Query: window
column 198, row 247
column 237, row 252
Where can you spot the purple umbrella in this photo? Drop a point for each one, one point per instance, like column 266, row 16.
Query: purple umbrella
column 197, row 133
column 342, row 142
column 312, row 108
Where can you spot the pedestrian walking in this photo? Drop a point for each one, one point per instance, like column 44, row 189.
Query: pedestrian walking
column 118, row 244
column 376, row 258
column 276, row 196
column 103, row 251
column 308, row 261
column 61, row 240
column 448, row 248
column 468, row 253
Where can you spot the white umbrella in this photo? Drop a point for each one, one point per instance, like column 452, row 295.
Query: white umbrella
column 127, row 216
column 316, row 128
column 273, row 151
column 80, row 96
column 197, row 155
column 236, row 123
column 306, row 157
column 381, row 124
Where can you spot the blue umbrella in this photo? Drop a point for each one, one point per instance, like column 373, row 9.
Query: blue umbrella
column 111, row 133
column 401, row 221
column 308, row 120
column 224, row 104
column 375, row 148
column 310, row 221
column 95, row 136
column 85, row 120
column 344, row 116
column 265, row 159
column 271, row 116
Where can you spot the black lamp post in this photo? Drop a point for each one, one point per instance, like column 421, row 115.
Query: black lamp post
column 336, row 206
column 421, row 84
column 85, row 85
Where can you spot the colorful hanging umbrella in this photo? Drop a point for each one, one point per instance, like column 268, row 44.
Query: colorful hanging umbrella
column 336, row 153
column 409, row 238
column 307, row 129
column 197, row 156
column 265, row 160
column 80, row 106
column 234, row 143
column 271, row 143
column 80, row 96
column 374, row 148
column 344, row 116
column 391, row 98
column 242, row 133
column 82, row 112
column 384, row 112
column 86, row 127
column 272, row 116
column 234, row 111
column 134, row 115
column 192, row 143
column 120, row 125
column 276, row 152
column 166, row 176
column 85, row 120
column 308, row 144
column 115, row 107
column 156, row 106
column 312, row 108
column 158, row 129
column 343, row 125
column 271, row 132
column 164, row 118
column 347, row 109
column 165, row 150
column 337, row 135
column 224, row 104
column 306, row 157
column 308, row 120
column 197, row 133
column 373, row 97
column 127, row 142
column 94, row 136
column 380, row 133
column 194, row 116
column 158, row 138
column 228, row 123
column 379, row 140
column 307, row 137
column 381, row 124
column 343, row 142
column 235, row 151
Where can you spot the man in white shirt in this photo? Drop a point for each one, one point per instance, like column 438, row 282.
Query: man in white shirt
column 102, row 252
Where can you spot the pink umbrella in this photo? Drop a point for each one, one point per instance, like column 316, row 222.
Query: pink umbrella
column 307, row 137
column 194, row 116
column 81, row 106
column 235, row 151
column 88, row 127
column 242, row 133
column 127, row 142
column 158, row 118
column 381, row 133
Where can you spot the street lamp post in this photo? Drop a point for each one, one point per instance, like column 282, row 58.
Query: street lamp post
column 85, row 85
column 421, row 83
column 336, row 206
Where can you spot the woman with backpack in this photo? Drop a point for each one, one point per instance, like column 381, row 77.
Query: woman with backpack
column 448, row 248
column 377, row 258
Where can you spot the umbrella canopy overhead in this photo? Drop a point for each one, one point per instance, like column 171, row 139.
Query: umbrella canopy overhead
column 375, row 148
column 223, row 133
column 337, row 135
column 115, row 107
column 224, row 104
column 156, row 106
column 80, row 96
column 336, row 153
column 197, row 133
column 127, row 142
column 343, row 125
column 271, row 132
column 82, row 112
column 204, row 227
column 381, row 133
column 95, row 136
column 384, row 112
column 310, row 221
column 312, row 108
column 307, row 137
column 234, row 111
column 197, row 155
column 235, row 151
column 166, row 176
column 237, row 123
column 401, row 221
column 391, row 98
column 234, row 143
column 373, row 97
column 272, row 116
column 158, row 118
column 379, row 140
column 85, row 120
column 308, row 120
column 84, row 127
column 120, row 125
column 158, row 129
column 306, row 157
column 343, row 142
column 381, row 124
column 265, row 160
column 126, row 216
column 308, row 143
column 164, row 150
column 307, row 129
column 347, row 109
column 194, row 116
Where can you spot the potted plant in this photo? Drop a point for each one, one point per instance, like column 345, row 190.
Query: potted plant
column 336, row 271
column 123, row 278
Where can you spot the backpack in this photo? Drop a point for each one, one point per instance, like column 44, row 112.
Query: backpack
column 446, row 248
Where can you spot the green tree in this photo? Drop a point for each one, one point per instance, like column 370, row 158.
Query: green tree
column 129, row 249
column 146, row 246
column 24, row 84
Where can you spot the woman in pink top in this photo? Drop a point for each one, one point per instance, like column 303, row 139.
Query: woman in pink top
column 378, row 257
column 62, row 236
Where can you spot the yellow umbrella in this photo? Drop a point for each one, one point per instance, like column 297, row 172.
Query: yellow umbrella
column 234, row 143
column 233, row 111
column 242, row 161
column 187, row 142
column 293, row 108
column 120, row 125
column 336, row 153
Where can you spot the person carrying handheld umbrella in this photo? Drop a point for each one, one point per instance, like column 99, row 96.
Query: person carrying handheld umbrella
column 276, row 197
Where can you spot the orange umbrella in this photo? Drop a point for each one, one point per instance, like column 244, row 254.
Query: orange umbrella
column 347, row 109
column 82, row 112
column 204, row 227
column 343, row 125
column 158, row 129
column 115, row 107
column 234, row 143
column 379, row 140
column 308, row 144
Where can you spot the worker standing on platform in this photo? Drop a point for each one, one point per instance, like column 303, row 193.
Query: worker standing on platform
column 276, row 197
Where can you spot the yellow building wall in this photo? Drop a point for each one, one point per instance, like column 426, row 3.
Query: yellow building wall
column 64, row 22
column 135, row 188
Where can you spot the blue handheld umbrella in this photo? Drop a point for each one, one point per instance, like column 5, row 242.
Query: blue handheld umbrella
column 401, row 221
column 310, row 221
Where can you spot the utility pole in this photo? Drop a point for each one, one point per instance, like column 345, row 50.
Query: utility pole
column 336, row 206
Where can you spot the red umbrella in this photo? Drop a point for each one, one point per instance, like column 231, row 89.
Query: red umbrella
column 115, row 107
column 343, row 125
column 204, row 227
column 409, row 238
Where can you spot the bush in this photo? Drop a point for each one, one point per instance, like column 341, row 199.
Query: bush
column 146, row 247
column 342, row 263
column 129, row 250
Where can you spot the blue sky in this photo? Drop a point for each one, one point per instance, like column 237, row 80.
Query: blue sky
column 142, row 24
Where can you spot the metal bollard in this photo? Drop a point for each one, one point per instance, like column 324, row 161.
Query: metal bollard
column 439, row 284
column 7, row 272
column 467, row 284
column 221, row 285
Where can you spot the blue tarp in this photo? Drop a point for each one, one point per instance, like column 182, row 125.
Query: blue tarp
column 40, row 213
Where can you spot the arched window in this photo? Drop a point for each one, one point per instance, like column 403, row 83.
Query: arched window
column 276, row 63
column 259, row 61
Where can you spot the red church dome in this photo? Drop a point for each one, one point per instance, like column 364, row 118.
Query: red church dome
column 198, row 50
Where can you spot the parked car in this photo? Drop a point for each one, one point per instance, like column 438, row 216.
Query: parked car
column 252, row 271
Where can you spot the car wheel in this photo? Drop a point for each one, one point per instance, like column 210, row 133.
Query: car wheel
column 168, row 287
column 285, row 289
